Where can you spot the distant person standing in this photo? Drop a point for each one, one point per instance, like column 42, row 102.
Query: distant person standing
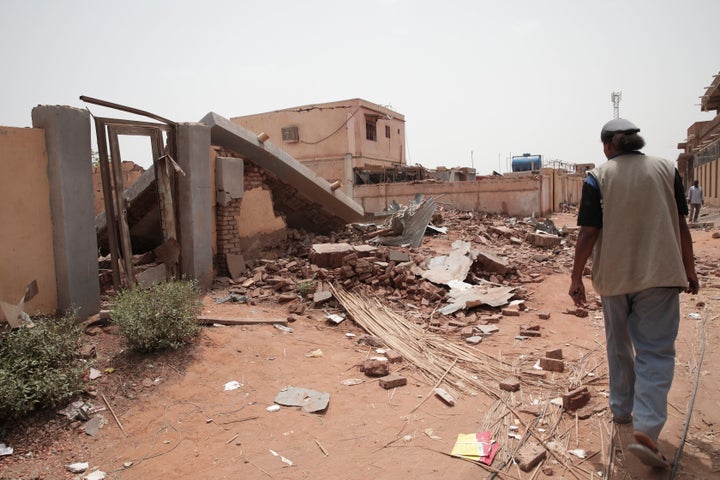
column 642, row 260
column 696, row 200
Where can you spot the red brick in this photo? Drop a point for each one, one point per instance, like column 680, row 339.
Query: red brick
column 552, row 364
column 392, row 381
column 575, row 399
column 557, row 354
column 510, row 384
column 393, row 356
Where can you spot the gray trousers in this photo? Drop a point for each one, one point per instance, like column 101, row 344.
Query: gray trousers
column 640, row 331
column 694, row 211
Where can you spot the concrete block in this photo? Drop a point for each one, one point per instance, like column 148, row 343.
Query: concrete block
column 235, row 264
column 543, row 315
column 509, row 312
column 487, row 329
column 474, row 340
column 492, row 263
column 543, row 240
column 552, row 364
column 229, row 179
column 152, row 275
column 329, row 255
column 392, row 381
column 321, row 297
column 398, row 256
column 530, row 455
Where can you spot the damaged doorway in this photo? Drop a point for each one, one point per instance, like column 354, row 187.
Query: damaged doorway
column 141, row 219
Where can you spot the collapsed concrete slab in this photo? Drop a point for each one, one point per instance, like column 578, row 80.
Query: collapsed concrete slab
column 337, row 208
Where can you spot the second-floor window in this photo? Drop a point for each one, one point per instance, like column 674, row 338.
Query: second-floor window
column 371, row 128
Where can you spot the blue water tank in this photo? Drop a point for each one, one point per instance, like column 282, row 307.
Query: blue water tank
column 527, row 163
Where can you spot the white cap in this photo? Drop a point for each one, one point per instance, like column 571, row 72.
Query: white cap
column 620, row 125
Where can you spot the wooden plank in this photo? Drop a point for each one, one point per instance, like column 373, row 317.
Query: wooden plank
column 116, row 163
column 110, row 214
column 240, row 321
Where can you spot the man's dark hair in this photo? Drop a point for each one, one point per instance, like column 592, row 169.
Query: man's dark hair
column 623, row 142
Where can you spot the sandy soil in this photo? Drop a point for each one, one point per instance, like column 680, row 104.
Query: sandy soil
column 179, row 422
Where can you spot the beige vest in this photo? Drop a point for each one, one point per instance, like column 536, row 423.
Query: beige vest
column 639, row 243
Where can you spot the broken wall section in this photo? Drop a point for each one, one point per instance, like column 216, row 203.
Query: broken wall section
column 26, row 231
column 248, row 226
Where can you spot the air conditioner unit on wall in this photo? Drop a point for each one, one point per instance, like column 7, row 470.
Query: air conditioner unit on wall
column 290, row 134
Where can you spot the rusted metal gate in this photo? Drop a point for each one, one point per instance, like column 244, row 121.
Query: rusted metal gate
column 107, row 131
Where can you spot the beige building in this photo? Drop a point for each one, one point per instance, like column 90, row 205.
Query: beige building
column 333, row 139
column 701, row 157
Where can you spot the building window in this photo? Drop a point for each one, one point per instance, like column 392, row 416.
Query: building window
column 371, row 128
column 387, row 131
column 290, row 134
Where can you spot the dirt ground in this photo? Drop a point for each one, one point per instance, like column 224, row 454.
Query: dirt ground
column 179, row 422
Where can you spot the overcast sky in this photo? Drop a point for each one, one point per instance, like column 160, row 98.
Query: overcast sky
column 488, row 77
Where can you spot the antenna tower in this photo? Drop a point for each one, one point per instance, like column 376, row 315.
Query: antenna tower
column 615, row 98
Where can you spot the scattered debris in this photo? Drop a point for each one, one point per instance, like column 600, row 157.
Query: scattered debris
column 79, row 467
column 475, row 446
column 349, row 382
column 96, row 475
column 310, row 400
column 15, row 315
column 335, row 318
column 284, row 460
column 283, row 328
column 443, row 395
column 413, row 220
column 454, row 266
column 232, row 385
column 93, row 426
column 529, row 455
column 5, row 450
column 234, row 298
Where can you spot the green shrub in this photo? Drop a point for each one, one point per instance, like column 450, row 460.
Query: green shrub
column 163, row 316
column 40, row 366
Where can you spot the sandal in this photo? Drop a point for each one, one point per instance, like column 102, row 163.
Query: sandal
column 647, row 452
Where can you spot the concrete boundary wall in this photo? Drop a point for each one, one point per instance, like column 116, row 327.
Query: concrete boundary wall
column 515, row 195
column 26, row 231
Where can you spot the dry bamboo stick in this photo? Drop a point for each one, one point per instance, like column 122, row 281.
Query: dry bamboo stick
column 113, row 414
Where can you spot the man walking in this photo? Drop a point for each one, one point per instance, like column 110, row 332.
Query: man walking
column 632, row 221
column 696, row 200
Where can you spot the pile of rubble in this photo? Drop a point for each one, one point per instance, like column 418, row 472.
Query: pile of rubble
column 500, row 252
